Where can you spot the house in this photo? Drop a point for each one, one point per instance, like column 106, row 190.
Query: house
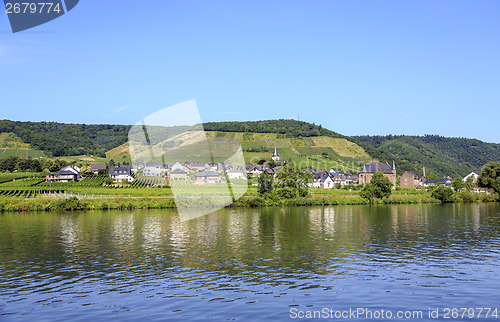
column 74, row 169
column 178, row 166
column 340, row 172
column 269, row 172
column 367, row 172
column 256, row 170
column 98, row 168
column 194, row 166
column 211, row 165
column 118, row 174
column 341, row 177
column 409, row 180
column 322, row 179
column 473, row 175
column 327, row 181
column 168, row 166
column 276, row 156
column 224, row 166
column 438, row 182
column 61, row 176
column 178, row 174
column 153, row 169
column 233, row 174
column 277, row 168
column 208, row 177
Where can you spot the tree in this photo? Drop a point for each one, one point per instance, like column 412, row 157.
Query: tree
column 108, row 180
column 490, row 176
column 368, row 192
column 86, row 170
column 470, row 183
column 56, row 165
column 271, row 163
column 382, row 185
column 294, row 180
column 443, row 193
column 266, row 182
column 9, row 164
column 36, row 166
column 458, row 183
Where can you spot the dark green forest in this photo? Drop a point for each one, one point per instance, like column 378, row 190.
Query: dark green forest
column 439, row 155
column 60, row 139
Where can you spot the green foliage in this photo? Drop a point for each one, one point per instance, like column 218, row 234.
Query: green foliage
column 458, row 183
column 266, row 183
column 490, row 176
column 440, row 155
column 368, row 192
column 294, row 179
column 60, row 139
column 379, row 187
column 468, row 196
column 6, row 177
column 86, row 170
column 290, row 129
column 470, row 183
column 108, row 181
column 443, row 193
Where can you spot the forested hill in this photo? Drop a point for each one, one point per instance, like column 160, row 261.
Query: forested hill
column 439, row 155
column 291, row 129
column 60, row 139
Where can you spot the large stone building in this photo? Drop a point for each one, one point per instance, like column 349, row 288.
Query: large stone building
column 409, row 180
column 366, row 174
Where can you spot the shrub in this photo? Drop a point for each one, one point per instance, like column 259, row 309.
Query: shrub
column 443, row 193
column 468, row 196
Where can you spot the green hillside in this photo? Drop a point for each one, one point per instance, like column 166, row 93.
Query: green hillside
column 439, row 155
column 290, row 129
column 60, row 139
column 316, row 152
column 12, row 145
column 296, row 141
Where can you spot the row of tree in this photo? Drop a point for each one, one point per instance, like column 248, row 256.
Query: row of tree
column 12, row 164
column 60, row 139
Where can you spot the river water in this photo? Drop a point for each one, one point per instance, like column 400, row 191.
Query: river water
column 252, row 264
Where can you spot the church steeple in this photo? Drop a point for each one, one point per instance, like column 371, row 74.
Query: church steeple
column 276, row 156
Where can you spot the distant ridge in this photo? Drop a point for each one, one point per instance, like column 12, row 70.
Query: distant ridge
column 439, row 155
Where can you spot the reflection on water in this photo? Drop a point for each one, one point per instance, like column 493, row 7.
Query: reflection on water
column 247, row 263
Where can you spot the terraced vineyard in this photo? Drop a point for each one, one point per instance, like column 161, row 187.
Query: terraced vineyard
column 320, row 153
column 92, row 185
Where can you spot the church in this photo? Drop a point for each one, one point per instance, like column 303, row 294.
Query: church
column 366, row 174
column 276, row 156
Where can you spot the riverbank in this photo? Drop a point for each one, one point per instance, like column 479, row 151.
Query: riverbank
column 13, row 204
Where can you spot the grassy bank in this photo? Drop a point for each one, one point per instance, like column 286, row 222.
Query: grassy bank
column 318, row 197
column 73, row 203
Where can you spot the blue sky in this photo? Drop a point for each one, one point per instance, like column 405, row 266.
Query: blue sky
column 356, row 67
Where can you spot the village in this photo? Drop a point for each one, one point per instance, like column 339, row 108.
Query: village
column 217, row 172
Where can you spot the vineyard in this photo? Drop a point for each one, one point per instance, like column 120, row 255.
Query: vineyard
column 31, row 185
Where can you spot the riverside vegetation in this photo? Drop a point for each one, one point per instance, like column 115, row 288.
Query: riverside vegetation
column 29, row 192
